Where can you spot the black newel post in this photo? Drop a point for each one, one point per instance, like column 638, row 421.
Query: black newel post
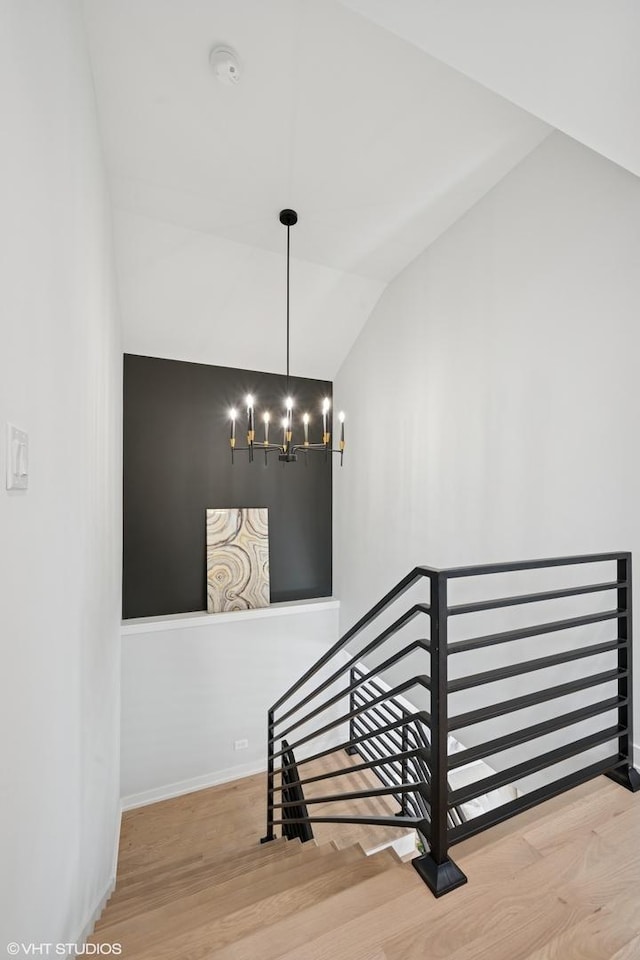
column 627, row 775
column 270, row 751
column 439, row 872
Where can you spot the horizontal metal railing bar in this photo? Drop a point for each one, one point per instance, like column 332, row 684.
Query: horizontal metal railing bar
column 420, row 681
column 355, row 768
column 415, row 799
column 368, row 750
column 379, row 711
column 385, row 740
column 357, row 794
column 528, row 666
column 354, row 741
column 351, row 664
column 388, row 703
column 518, row 737
column 527, row 800
column 366, row 696
column 378, row 743
column 491, row 639
column 533, row 699
column 421, row 772
column 413, row 733
column 389, row 662
column 384, row 711
column 401, row 587
column 389, row 782
column 394, row 769
column 390, row 708
column 521, row 770
column 380, row 688
column 390, row 821
column 484, row 569
column 482, row 605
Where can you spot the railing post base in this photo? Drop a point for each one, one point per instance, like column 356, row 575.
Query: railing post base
column 267, row 839
column 627, row 777
column 442, row 877
column 351, row 751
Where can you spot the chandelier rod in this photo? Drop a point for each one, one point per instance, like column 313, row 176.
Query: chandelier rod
column 288, row 258
column 287, row 450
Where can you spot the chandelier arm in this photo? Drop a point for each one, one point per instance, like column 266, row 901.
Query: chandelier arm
column 314, row 448
column 260, row 446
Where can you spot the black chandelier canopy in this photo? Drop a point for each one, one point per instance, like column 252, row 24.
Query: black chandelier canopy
column 288, row 450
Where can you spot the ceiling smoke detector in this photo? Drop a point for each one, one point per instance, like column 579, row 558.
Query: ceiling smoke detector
column 225, row 65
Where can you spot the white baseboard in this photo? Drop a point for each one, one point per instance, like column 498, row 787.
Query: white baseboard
column 170, row 790
column 116, row 850
column 95, row 914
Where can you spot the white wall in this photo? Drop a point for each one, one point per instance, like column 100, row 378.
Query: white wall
column 192, row 688
column 189, row 295
column 498, row 374
column 60, row 376
column 573, row 64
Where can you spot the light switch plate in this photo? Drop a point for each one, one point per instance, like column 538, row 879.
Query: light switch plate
column 17, row 458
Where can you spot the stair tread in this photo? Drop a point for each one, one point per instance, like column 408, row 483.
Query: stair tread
column 204, row 929
column 338, row 908
column 135, row 856
column 216, row 884
column 244, row 860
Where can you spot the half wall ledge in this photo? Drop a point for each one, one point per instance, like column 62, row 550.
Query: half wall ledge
column 180, row 621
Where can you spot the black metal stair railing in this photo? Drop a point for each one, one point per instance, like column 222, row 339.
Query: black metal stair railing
column 297, row 825
column 407, row 750
column 382, row 746
column 280, row 812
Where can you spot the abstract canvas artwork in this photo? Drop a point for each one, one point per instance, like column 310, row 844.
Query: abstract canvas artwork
column 237, row 559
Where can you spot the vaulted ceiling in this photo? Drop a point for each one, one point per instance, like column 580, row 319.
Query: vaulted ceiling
column 573, row 63
column 370, row 130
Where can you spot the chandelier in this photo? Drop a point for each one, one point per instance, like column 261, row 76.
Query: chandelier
column 287, row 450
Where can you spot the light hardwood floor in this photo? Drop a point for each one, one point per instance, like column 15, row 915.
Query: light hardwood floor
column 561, row 882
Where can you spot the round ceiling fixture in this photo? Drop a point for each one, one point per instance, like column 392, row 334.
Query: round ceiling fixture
column 225, row 64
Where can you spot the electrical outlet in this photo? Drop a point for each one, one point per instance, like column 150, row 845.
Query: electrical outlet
column 240, row 744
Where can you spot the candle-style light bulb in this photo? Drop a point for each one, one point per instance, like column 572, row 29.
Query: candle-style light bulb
column 289, row 429
column 250, row 425
column 285, row 424
column 341, row 419
column 266, row 417
column 233, row 414
column 326, row 403
column 305, row 420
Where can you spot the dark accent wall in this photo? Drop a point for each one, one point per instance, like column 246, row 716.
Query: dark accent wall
column 177, row 463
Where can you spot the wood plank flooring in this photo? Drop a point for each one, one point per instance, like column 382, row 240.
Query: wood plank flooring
column 560, row 882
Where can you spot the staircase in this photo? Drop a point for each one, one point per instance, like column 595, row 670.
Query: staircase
column 395, row 698
column 194, row 883
column 253, row 902
column 559, row 881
